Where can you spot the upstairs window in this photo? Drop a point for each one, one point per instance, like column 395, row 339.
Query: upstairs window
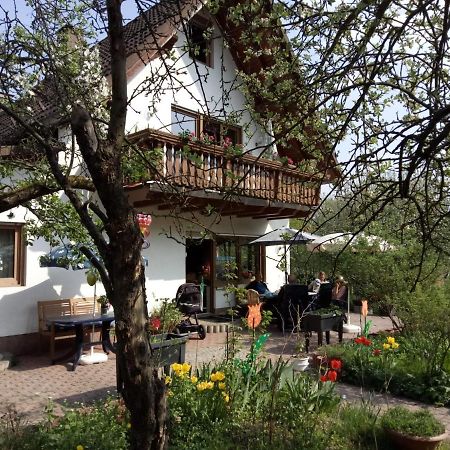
column 185, row 121
column 200, row 44
column 11, row 255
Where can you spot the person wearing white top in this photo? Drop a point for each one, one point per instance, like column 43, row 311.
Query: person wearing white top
column 314, row 286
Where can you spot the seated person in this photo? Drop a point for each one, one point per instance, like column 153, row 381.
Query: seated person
column 314, row 286
column 339, row 292
column 261, row 287
column 292, row 279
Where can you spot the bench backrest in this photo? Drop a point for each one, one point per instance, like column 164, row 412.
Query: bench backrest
column 64, row 307
column 52, row 308
column 84, row 305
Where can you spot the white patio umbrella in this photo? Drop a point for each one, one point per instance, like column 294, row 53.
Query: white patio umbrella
column 337, row 241
column 329, row 242
column 285, row 236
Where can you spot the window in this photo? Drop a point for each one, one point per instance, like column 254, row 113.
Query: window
column 189, row 121
column 200, row 46
column 11, row 255
column 183, row 121
column 235, row 255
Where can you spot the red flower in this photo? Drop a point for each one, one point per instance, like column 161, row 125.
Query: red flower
column 155, row 323
column 376, row 352
column 363, row 341
column 332, row 375
column 290, row 161
column 336, row 364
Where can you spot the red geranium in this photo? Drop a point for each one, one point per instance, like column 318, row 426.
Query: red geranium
column 155, row 323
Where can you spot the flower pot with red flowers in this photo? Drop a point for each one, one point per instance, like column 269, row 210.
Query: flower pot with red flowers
column 413, row 430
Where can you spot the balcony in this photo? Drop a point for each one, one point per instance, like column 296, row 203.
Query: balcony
column 193, row 176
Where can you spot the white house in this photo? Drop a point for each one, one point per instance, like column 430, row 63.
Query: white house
column 198, row 225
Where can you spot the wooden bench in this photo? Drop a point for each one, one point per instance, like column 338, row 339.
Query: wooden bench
column 60, row 308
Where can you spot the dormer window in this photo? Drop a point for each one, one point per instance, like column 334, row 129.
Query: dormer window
column 200, row 43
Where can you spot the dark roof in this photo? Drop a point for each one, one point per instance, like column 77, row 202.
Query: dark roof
column 139, row 33
column 143, row 29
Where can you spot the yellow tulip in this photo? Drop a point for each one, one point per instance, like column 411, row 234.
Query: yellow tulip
column 186, row 367
column 391, row 340
column 80, row 447
column 168, row 380
column 222, row 386
column 386, row 346
column 395, row 345
column 194, row 379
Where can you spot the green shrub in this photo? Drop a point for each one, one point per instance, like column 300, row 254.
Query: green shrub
column 102, row 426
column 414, row 423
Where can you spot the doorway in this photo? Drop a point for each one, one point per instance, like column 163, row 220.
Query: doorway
column 199, row 268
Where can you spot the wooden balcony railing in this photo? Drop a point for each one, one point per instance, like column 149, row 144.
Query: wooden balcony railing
column 197, row 166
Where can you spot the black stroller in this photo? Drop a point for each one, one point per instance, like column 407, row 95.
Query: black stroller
column 188, row 302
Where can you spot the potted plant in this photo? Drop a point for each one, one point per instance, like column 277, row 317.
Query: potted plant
column 413, row 430
column 322, row 319
column 300, row 358
column 104, row 304
column 167, row 346
column 164, row 318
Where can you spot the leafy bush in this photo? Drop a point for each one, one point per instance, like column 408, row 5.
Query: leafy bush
column 414, row 423
column 424, row 314
column 102, row 426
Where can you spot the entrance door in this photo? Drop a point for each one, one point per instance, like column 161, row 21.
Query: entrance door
column 199, row 268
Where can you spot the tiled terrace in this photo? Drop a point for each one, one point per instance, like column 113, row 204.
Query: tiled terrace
column 30, row 383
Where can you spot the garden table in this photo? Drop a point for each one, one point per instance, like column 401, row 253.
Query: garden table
column 80, row 322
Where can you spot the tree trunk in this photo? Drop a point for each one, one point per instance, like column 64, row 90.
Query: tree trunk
column 144, row 392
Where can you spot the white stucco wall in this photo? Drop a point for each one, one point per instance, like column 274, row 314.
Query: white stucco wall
column 18, row 310
column 185, row 90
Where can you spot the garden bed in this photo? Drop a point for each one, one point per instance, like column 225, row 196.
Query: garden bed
column 391, row 364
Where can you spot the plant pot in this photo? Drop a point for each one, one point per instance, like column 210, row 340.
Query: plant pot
column 321, row 323
column 300, row 364
column 407, row 442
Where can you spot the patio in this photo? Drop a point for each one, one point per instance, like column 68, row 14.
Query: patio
column 33, row 381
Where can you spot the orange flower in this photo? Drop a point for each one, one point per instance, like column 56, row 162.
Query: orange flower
column 364, row 308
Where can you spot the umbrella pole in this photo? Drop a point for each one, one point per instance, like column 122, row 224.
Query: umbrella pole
column 285, row 266
column 93, row 357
